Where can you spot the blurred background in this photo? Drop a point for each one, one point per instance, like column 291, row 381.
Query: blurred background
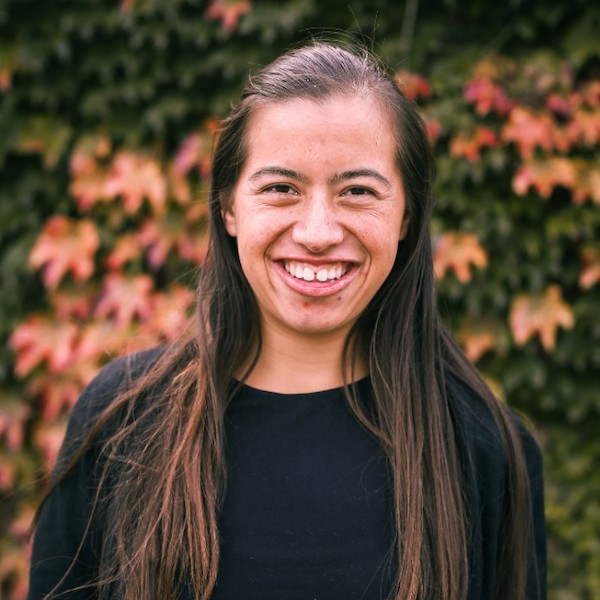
column 107, row 111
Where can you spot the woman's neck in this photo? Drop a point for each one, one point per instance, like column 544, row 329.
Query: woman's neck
column 302, row 364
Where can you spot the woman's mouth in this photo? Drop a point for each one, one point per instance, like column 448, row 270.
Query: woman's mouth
column 322, row 273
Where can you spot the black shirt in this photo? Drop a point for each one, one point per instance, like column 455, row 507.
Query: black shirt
column 307, row 513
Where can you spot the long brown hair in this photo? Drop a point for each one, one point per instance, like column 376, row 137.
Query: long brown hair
column 169, row 436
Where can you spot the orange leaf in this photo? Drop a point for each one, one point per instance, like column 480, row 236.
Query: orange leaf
column 38, row 340
column 545, row 175
column 591, row 93
column 5, row 80
column 584, row 127
column 590, row 272
column 169, row 315
column 588, row 184
column 14, row 567
column 100, row 339
column 540, row 315
column 227, row 11
column 135, row 177
column 74, row 301
column 124, row 299
column 469, row 145
column 21, row 523
column 87, row 186
column 126, row 249
column 8, row 470
column 528, row 130
column 177, row 232
column 178, row 186
column 457, row 252
column 56, row 394
column 65, row 245
column 477, row 338
column 13, row 420
column 413, row 85
column 48, row 438
column 195, row 152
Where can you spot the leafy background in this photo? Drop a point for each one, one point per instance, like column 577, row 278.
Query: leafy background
column 107, row 111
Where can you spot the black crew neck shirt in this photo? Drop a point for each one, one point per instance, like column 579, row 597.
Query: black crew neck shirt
column 308, row 506
column 307, row 511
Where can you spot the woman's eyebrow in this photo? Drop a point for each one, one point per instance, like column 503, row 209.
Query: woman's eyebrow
column 339, row 177
column 280, row 172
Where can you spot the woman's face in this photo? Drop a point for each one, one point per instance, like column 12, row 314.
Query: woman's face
column 318, row 211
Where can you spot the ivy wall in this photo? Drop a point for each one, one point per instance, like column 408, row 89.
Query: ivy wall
column 106, row 117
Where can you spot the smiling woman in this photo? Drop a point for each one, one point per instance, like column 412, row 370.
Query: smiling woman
column 318, row 434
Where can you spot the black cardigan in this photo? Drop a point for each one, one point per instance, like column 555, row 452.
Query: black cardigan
column 307, row 512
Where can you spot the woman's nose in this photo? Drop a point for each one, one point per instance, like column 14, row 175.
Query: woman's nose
column 317, row 228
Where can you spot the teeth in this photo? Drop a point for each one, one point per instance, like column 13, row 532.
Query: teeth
column 308, row 275
column 321, row 274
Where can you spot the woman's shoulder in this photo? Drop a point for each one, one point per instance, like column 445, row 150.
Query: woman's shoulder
column 111, row 380
column 479, row 428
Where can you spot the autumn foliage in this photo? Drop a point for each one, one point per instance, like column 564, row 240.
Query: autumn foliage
column 103, row 189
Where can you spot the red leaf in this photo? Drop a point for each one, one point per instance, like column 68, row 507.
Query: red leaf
column 434, row 130
column 227, row 11
column 125, row 299
column 135, row 177
column 528, row 130
column 487, row 97
column 457, row 252
column 540, row 315
column 39, row 339
column 65, row 246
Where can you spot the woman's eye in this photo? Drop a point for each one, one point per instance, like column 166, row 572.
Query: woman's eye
column 359, row 191
column 280, row 188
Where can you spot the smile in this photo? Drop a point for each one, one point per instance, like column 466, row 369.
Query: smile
column 321, row 273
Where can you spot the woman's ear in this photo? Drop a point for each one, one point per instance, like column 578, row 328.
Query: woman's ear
column 228, row 216
column 404, row 227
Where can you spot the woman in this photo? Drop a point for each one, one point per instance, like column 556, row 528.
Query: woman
column 319, row 435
